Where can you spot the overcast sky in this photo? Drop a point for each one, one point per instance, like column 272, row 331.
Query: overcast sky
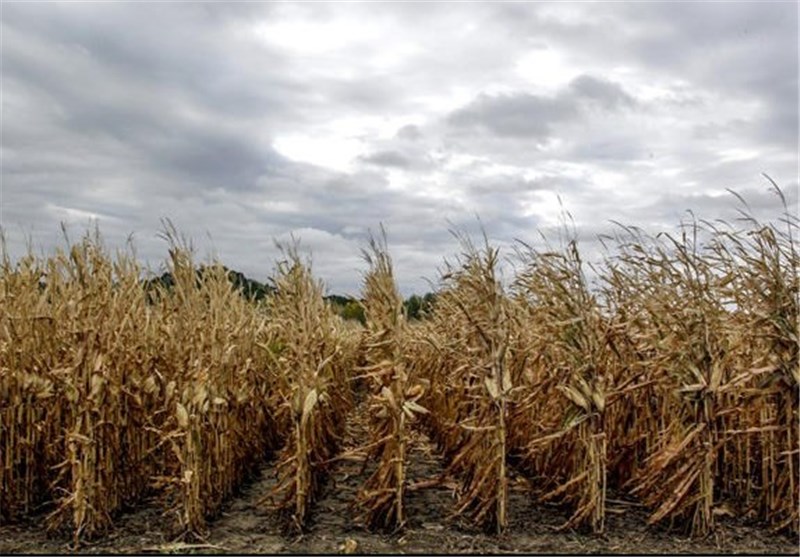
column 248, row 122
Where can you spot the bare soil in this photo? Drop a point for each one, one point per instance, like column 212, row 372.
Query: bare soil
column 248, row 525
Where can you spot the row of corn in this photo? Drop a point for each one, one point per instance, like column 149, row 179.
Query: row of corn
column 672, row 379
column 116, row 390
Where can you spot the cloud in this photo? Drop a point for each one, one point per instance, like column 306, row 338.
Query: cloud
column 525, row 115
column 624, row 147
column 516, row 115
column 124, row 113
column 409, row 132
column 607, row 94
column 391, row 159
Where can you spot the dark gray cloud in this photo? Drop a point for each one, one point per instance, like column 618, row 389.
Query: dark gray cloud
column 612, row 147
column 409, row 132
column 517, row 115
column 244, row 122
column 605, row 93
column 391, row 159
column 524, row 114
column 405, row 158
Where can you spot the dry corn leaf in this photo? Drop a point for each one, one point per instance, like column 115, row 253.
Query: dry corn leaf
column 308, row 405
column 414, row 407
column 491, row 386
column 182, row 415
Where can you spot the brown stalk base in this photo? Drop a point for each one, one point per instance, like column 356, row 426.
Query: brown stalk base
column 246, row 526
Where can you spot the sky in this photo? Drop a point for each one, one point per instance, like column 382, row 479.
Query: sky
column 251, row 123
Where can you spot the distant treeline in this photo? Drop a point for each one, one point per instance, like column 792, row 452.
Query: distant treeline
column 415, row 306
column 249, row 288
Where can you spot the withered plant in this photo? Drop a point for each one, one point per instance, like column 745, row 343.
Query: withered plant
column 393, row 396
column 306, row 347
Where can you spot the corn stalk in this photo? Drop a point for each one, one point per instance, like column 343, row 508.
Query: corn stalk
column 307, row 348
column 382, row 495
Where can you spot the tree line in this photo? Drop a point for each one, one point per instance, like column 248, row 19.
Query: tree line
column 415, row 307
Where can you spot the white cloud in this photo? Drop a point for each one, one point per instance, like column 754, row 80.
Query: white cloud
column 248, row 121
column 546, row 69
column 315, row 37
column 330, row 151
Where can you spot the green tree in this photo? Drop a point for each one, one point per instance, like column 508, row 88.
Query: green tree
column 354, row 310
column 413, row 307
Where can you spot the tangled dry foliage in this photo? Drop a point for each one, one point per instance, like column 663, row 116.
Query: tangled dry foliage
column 559, row 420
column 462, row 351
column 216, row 387
column 393, row 392
column 673, row 379
column 313, row 359
column 65, row 387
column 712, row 328
column 111, row 391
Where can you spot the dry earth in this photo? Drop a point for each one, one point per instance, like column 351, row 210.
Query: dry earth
column 247, row 525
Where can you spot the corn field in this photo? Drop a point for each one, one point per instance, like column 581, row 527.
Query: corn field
column 668, row 373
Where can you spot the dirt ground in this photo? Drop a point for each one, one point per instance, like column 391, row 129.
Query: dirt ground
column 247, row 525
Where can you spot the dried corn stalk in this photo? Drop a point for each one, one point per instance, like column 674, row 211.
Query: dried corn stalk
column 71, row 325
column 122, row 393
column 314, row 361
column 470, row 383
column 391, row 407
column 758, row 274
column 219, row 388
column 565, row 383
